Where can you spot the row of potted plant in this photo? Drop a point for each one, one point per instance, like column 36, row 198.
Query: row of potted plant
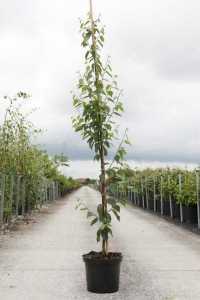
column 170, row 192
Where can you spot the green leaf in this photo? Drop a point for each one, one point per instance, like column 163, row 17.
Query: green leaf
column 117, row 208
column 108, row 73
column 116, row 214
column 87, row 54
column 98, row 235
column 94, row 221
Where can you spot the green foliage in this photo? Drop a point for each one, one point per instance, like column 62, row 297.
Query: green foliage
column 98, row 104
column 67, row 183
column 103, row 219
column 98, row 101
column 179, row 184
column 21, row 160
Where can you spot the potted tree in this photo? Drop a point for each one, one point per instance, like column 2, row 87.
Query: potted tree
column 188, row 197
column 97, row 102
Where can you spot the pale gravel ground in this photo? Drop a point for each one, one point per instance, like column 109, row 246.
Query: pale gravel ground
column 43, row 260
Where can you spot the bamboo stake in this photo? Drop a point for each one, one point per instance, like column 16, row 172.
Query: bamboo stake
column 170, row 199
column 18, row 195
column 11, row 192
column 134, row 198
column 2, row 198
column 92, row 23
column 101, row 152
column 147, row 196
column 142, row 189
column 181, row 205
column 161, row 195
column 154, row 194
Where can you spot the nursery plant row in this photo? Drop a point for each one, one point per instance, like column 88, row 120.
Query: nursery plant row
column 28, row 175
column 20, row 195
column 173, row 193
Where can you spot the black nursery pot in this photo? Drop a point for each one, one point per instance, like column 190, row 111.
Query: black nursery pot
column 158, row 205
column 166, row 208
column 132, row 197
column 176, row 209
column 102, row 273
column 140, row 202
column 151, row 204
column 190, row 214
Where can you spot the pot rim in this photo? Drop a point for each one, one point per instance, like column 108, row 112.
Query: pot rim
column 90, row 257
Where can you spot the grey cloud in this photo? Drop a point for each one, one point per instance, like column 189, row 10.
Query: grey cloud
column 154, row 47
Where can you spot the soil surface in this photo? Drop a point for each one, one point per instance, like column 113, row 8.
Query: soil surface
column 42, row 258
column 95, row 256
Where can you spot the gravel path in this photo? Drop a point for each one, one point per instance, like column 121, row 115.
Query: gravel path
column 43, row 261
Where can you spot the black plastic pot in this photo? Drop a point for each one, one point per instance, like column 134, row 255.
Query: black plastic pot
column 102, row 273
column 140, row 202
column 132, row 197
column 176, row 210
column 151, row 204
column 166, row 208
column 158, row 205
column 145, row 203
column 190, row 214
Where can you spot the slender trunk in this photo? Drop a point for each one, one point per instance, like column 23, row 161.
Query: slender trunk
column 104, row 199
column 101, row 152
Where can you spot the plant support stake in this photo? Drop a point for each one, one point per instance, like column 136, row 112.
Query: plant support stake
column 170, row 199
column 147, row 197
column 181, row 205
column 154, row 193
column 142, row 187
column 161, row 195
column 2, row 198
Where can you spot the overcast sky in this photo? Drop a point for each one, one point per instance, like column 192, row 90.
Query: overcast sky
column 155, row 50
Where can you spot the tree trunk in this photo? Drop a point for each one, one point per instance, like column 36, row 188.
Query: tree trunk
column 101, row 151
column 103, row 197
